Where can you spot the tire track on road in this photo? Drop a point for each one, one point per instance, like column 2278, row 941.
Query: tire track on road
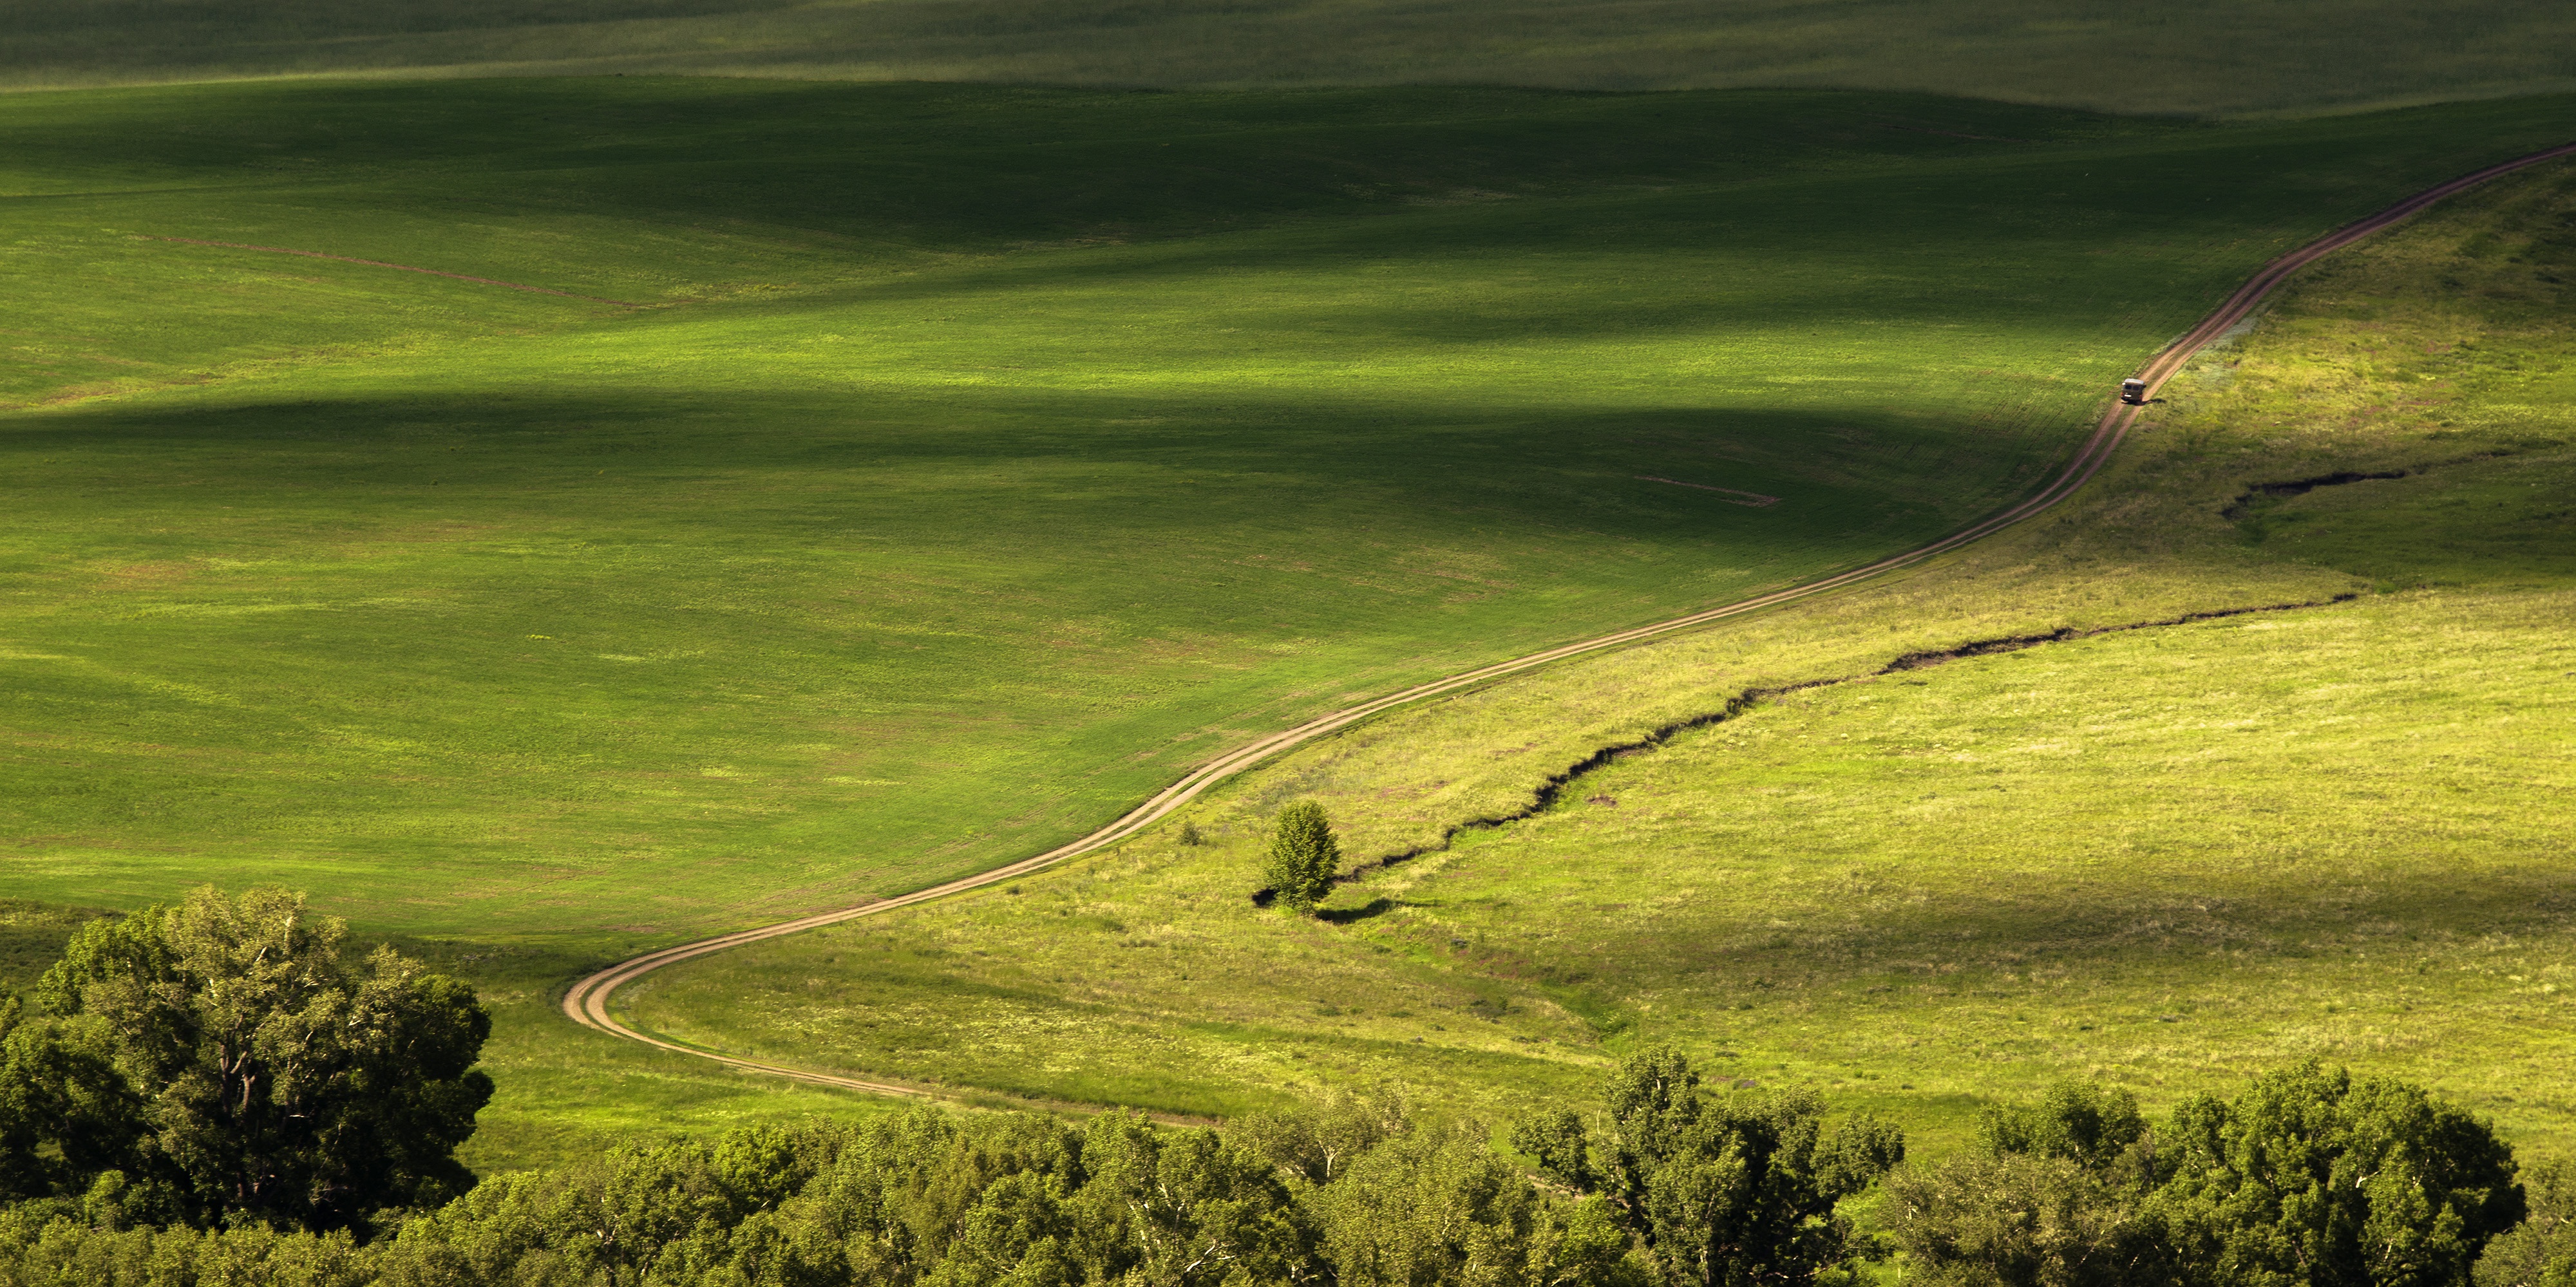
column 587, row 1001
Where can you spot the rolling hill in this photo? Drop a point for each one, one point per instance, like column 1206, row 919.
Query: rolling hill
column 2257, row 751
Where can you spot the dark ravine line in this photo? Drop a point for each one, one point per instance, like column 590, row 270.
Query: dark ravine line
column 1552, row 788
column 2015, row 643
column 2238, row 509
column 2300, row 487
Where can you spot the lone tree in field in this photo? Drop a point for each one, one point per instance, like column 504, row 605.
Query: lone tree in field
column 1304, row 857
column 232, row 1065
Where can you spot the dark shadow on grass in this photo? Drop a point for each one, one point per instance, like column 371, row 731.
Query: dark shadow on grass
column 951, row 166
column 1375, row 908
column 1855, row 480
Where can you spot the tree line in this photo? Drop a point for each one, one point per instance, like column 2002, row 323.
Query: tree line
column 219, row 1094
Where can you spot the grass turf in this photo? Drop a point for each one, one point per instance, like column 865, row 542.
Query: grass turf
column 976, row 458
column 2166, row 857
column 2170, row 58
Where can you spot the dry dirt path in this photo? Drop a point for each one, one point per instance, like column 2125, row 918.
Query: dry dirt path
column 587, row 1002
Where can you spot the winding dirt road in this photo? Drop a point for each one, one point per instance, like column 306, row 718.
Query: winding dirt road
column 587, row 1002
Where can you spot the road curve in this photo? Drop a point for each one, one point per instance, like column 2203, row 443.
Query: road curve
column 587, row 1002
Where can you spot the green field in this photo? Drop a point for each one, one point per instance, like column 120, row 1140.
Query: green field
column 978, row 459
column 957, row 465
column 2166, row 857
column 2196, row 57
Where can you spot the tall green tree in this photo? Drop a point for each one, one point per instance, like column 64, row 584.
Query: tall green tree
column 1721, row 1190
column 2310, row 1179
column 1304, row 856
column 266, row 1077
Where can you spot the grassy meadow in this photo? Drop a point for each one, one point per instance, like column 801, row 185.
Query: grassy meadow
column 903, row 478
column 2166, row 857
column 2192, row 58
column 975, row 460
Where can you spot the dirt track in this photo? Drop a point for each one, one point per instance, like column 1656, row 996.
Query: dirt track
column 587, row 1002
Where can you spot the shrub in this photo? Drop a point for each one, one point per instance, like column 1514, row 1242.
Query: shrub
column 2077, row 1121
column 54, row 1242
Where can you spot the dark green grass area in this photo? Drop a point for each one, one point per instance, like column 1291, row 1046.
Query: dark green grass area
column 975, row 459
column 2187, row 56
column 2164, row 856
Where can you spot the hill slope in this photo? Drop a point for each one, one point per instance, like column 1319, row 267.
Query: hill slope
column 2165, row 855
column 2198, row 57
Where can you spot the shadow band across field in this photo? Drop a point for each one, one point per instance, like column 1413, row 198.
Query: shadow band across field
column 2178, row 59
column 587, row 1002
column 878, row 460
